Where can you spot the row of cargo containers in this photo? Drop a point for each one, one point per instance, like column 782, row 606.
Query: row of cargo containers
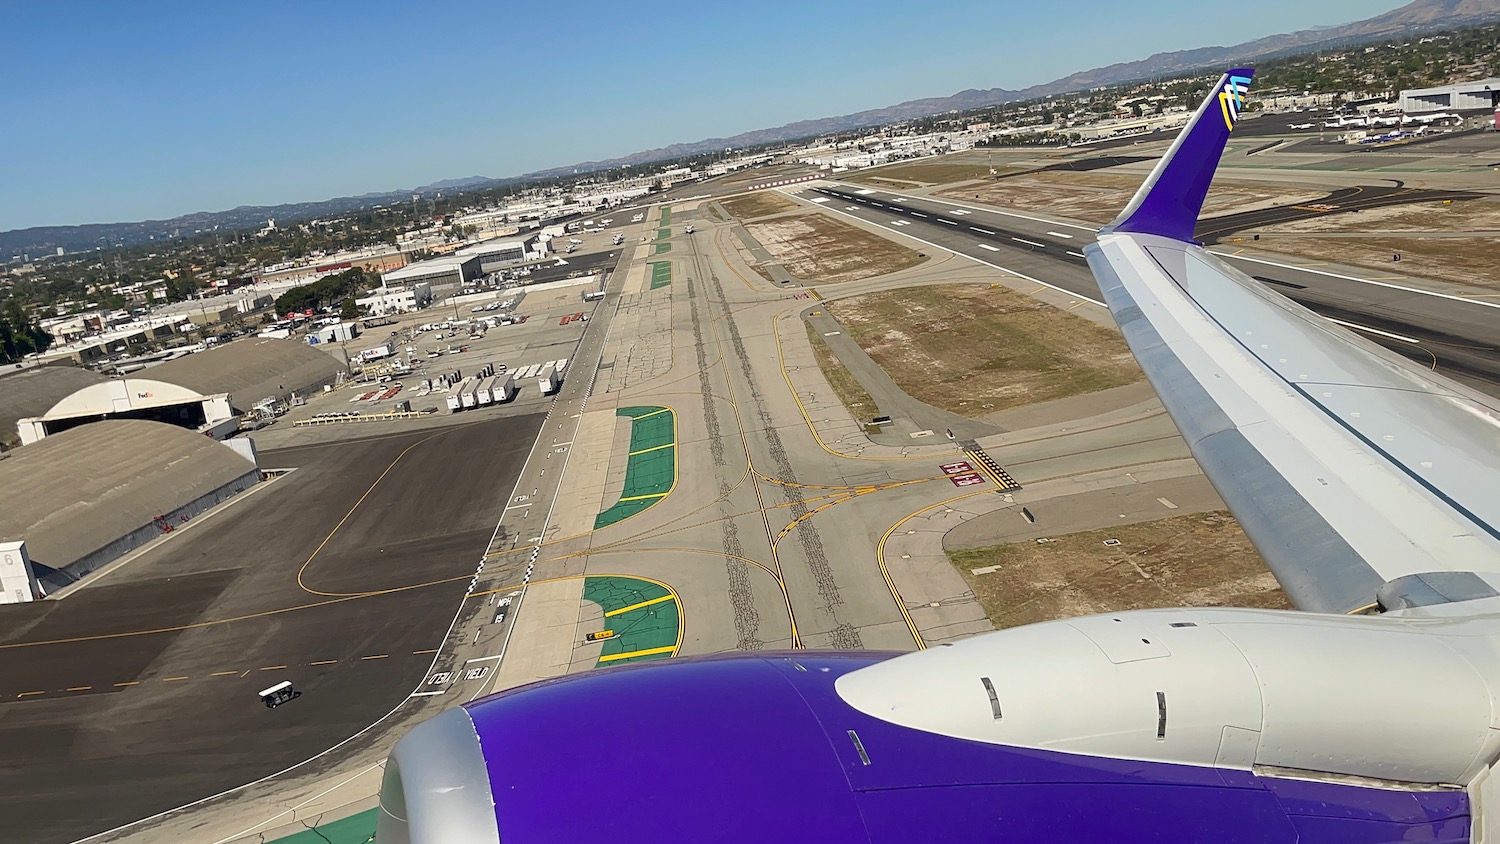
column 480, row 392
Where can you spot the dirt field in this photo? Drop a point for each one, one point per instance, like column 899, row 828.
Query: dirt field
column 860, row 403
column 822, row 250
column 1468, row 215
column 1099, row 197
column 932, row 173
column 975, row 350
column 759, row 204
column 1469, row 261
column 1199, row 560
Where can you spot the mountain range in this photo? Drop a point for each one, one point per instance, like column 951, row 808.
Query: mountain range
column 1417, row 16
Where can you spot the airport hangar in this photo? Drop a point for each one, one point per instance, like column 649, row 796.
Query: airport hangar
column 119, row 462
column 1461, row 96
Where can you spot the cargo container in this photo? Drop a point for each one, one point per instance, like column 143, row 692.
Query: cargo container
column 469, row 393
column 482, row 394
column 504, row 388
column 548, row 380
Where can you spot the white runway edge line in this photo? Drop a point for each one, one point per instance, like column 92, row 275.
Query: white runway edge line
column 1059, row 223
column 1357, row 327
column 973, row 258
column 1232, row 256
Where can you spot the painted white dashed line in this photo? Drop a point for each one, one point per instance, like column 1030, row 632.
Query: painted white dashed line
column 919, row 214
column 1077, row 254
column 1061, row 235
column 989, row 247
column 1029, row 242
column 962, row 212
column 1375, row 331
column 949, row 222
column 981, row 231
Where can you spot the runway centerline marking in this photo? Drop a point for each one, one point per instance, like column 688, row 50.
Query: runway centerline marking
column 981, row 231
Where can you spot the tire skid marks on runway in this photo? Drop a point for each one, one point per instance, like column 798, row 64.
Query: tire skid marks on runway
column 843, row 635
column 741, row 595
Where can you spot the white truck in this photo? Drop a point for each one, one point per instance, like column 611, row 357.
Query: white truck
column 548, row 380
column 483, row 394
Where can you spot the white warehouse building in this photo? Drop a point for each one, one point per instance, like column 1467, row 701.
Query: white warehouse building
column 455, row 269
column 1462, row 96
column 499, row 252
column 396, row 300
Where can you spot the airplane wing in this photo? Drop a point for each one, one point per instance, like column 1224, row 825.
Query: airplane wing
column 1358, row 475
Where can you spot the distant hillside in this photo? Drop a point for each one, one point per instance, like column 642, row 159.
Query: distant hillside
column 1418, row 16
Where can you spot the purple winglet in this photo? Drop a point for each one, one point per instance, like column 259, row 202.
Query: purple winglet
column 1169, row 202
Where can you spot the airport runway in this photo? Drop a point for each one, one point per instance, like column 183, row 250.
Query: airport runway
column 288, row 584
column 1461, row 337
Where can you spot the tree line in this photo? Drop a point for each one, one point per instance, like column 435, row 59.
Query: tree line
column 19, row 335
column 324, row 292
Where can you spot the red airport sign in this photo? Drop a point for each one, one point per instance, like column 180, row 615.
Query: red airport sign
column 956, row 468
column 969, row 479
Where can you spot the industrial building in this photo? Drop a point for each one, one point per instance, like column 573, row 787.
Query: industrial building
column 134, row 398
column 255, row 369
column 453, row 269
column 494, row 254
column 401, row 299
column 1462, row 96
column 33, row 391
column 88, row 495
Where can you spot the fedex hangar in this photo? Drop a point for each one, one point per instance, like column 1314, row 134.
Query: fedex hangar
column 112, row 464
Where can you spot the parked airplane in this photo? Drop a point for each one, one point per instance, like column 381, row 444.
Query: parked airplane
column 1299, row 126
column 1367, row 484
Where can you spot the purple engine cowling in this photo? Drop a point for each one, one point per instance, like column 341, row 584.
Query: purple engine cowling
column 751, row 747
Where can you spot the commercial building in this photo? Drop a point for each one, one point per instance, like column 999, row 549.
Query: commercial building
column 396, row 300
column 1462, row 96
column 88, row 495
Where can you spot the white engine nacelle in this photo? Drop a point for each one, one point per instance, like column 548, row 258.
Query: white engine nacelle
column 1357, row 696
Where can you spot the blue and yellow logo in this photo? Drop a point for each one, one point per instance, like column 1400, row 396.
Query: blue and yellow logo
column 1232, row 99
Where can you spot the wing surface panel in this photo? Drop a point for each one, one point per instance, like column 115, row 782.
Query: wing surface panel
column 1348, row 466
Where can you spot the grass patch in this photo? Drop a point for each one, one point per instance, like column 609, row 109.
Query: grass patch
column 859, row 403
column 1198, row 560
column 976, row 350
column 823, row 250
column 926, row 173
column 758, row 204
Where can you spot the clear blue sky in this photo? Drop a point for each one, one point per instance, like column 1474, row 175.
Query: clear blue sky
column 117, row 111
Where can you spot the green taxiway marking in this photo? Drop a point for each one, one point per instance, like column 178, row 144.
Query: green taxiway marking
column 643, row 614
column 651, row 466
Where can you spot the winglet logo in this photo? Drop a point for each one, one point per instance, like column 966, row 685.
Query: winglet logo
column 1232, row 98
